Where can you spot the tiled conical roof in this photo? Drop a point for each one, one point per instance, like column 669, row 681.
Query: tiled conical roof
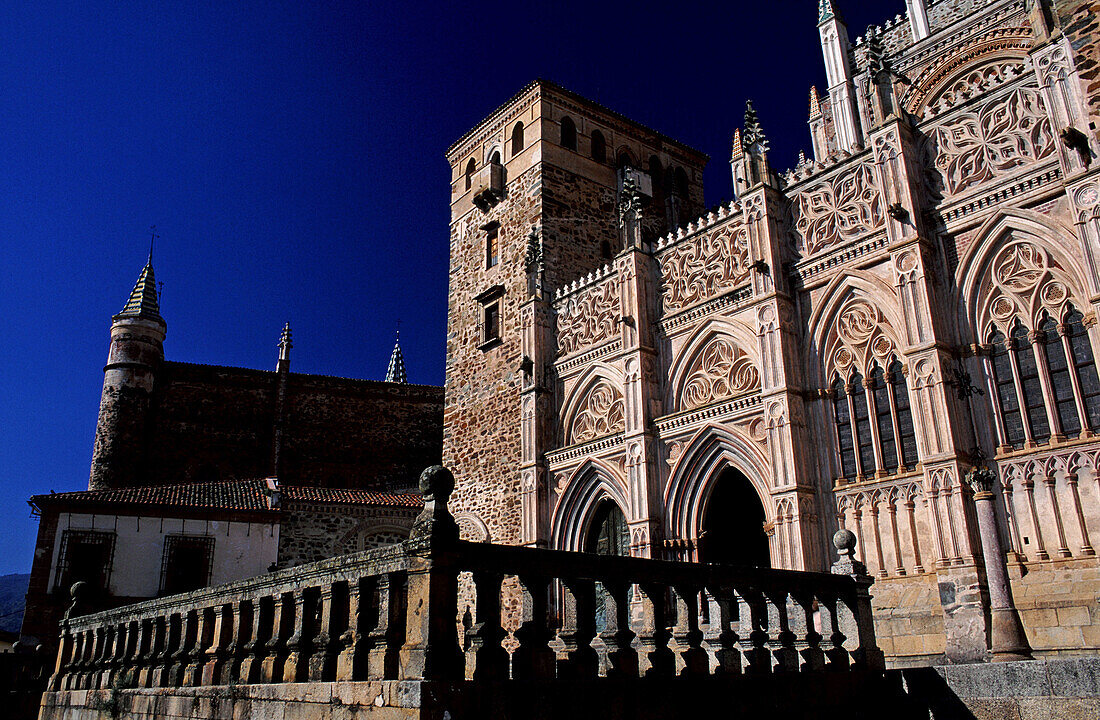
column 395, row 373
column 143, row 300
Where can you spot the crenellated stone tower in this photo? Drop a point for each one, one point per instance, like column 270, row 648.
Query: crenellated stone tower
column 137, row 350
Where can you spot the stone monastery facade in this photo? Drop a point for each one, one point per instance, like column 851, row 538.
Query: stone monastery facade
column 839, row 346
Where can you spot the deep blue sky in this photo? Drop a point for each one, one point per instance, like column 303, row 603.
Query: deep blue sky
column 291, row 155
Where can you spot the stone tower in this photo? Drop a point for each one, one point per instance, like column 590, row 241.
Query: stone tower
column 137, row 349
column 535, row 195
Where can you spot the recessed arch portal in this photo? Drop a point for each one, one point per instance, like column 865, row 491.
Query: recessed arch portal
column 733, row 522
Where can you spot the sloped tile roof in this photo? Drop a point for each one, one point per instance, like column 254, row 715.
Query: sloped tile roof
column 350, row 496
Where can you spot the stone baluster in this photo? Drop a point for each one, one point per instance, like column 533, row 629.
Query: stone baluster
column 282, row 617
column 87, row 640
column 577, row 659
column 129, row 668
column 351, row 660
column 254, row 652
column 384, row 639
column 187, row 669
column 63, row 662
column 781, row 638
column 813, row 659
column 297, row 645
column 621, row 660
column 727, row 658
column 322, row 663
column 222, row 637
column 162, row 673
column 836, row 654
column 533, row 659
column 754, row 643
column 687, row 638
column 94, row 644
column 431, row 649
column 101, row 670
column 486, row 660
column 860, row 620
column 655, row 659
column 109, row 662
column 240, row 623
column 159, row 639
column 143, row 659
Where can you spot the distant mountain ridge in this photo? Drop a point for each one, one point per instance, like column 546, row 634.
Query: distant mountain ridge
column 13, row 591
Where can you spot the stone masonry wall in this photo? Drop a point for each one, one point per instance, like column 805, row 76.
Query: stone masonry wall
column 314, row 532
column 1080, row 21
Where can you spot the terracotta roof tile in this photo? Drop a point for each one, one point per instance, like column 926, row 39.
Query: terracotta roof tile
column 350, row 496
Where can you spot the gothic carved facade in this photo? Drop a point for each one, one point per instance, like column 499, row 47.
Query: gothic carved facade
column 846, row 340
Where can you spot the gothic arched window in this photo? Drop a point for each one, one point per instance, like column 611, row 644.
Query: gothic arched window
column 1030, row 383
column 861, row 424
column 517, row 139
column 568, row 134
column 907, row 434
column 844, row 429
column 1085, row 365
column 1007, row 400
column 884, row 420
column 1065, row 404
column 471, row 168
column 599, row 147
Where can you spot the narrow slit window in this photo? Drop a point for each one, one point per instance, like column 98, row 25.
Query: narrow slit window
column 599, row 147
column 471, row 168
column 568, row 134
column 492, row 246
column 517, row 139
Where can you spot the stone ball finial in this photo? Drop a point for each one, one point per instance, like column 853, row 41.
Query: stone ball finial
column 78, row 590
column 437, row 483
column 844, row 541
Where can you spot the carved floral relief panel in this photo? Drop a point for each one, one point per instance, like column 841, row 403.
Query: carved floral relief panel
column 599, row 414
column 589, row 317
column 977, row 146
column 842, row 208
column 721, row 370
column 705, row 266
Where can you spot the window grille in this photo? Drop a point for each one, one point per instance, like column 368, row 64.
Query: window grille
column 1065, row 404
column 187, row 563
column 885, row 421
column 843, row 430
column 1011, row 418
column 86, row 555
column 1085, row 364
column 861, row 425
column 1030, row 384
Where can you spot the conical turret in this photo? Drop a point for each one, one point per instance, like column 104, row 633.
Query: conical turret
column 143, row 300
column 395, row 373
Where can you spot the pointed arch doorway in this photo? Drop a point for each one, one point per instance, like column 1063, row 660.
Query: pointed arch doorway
column 733, row 523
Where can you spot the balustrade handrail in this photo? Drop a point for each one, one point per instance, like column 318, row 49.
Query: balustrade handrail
column 393, row 613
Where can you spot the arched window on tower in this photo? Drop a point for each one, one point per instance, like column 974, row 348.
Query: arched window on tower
column 842, row 418
column 599, row 147
column 1077, row 338
column 494, row 159
column 471, row 168
column 517, row 139
column 681, row 182
column 1065, row 404
column 1007, row 401
column 1032, row 386
column 568, row 134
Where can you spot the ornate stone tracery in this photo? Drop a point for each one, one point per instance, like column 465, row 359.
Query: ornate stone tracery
column 705, row 266
column 1024, row 281
column 975, row 147
column 599, row 414
column 589, row 317
column 721, row 370
column 845, row 207
column 863, row 336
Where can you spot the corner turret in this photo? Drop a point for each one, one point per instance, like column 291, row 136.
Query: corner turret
column 136, row 352
column 838, row 71
column 395, row 373
column 749, row 159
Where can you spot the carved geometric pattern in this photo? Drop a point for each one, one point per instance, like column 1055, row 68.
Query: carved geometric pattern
column 1024, row 281
column 977, row 146
column 844, row 208
column 721, row 371
column 600, row 414
column 588, row 317
column 862, row 334
column 705, row 267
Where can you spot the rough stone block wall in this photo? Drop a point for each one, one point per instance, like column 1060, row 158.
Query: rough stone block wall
column 1058, row 605
column 908, row 619
column 308, row 534
column 1080, row 21
column 41, row 616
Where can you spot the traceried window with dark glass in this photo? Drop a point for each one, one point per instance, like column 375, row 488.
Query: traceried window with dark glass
column 187, row 562
column 1030, row 384
column 843, row 429
column 85, row 555
column 1065, row 404
column 906, row 432
column 568, row 134
column 861, row 425
column 517, row 139
column 1011, row 418
column 1085, row 365
column 884, row 419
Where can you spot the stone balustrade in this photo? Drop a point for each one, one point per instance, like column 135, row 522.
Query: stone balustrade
column 393, row 614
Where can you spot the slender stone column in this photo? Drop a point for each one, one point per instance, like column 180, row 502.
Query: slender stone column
column 1007, row 638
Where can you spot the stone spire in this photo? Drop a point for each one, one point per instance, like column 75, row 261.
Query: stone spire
column 815, row 103
column 395, row 373
column 754, row 137
column 143, row 300
column 825, row 10
column 284, row 349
